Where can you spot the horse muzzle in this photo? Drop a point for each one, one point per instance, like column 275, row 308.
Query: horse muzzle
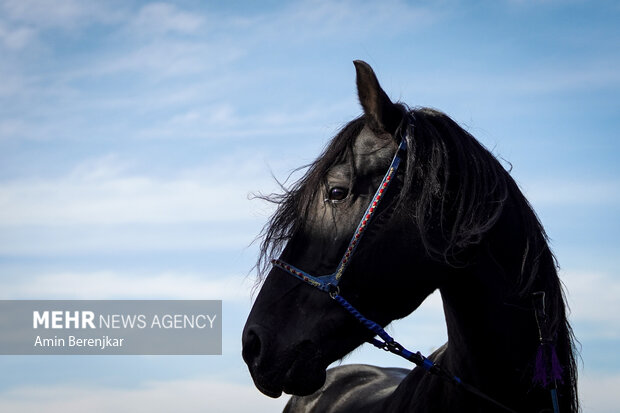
column 295, row 369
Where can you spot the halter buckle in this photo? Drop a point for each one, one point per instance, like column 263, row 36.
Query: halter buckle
column 393, row 346
column 333, row 290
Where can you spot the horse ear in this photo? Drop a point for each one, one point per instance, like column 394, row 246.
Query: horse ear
column 378, row 108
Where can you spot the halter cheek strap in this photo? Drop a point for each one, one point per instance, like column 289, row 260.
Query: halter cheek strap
column 329, row 283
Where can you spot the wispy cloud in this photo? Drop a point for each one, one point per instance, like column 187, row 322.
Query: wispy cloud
column 97, row 193
column 45, row 241
column 346, row 19
column 167, row 60
column 15, row 37
column 65, row 13
column 160, row 18
column 597, row 394
column 111, row 285
column 574, row 193
column 593, row 299
column 224, row 121
column 101, row 205
column 22, row 23
column 190, row 395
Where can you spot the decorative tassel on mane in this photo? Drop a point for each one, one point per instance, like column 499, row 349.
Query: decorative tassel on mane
column 547, row 369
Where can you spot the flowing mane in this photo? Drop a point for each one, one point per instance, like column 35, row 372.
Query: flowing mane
column 293, row 203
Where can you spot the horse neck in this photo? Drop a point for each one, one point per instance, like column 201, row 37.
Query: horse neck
column 489, row 335
column 492, row 330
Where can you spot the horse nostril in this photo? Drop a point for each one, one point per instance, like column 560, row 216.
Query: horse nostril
column 251, row 347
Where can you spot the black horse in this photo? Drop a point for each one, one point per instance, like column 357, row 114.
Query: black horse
column 454, row 220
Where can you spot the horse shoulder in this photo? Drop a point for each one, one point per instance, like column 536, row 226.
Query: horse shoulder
column 350, row 388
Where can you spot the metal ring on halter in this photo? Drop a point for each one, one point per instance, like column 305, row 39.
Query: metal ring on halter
column 333, row 290
column 394, row 345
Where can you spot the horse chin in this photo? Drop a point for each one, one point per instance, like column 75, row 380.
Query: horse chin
column 268, row 392
column 300, row 378
column 304, row 382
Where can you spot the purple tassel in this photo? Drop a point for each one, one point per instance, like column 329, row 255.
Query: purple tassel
column 556, row 367
column 547, row 369
column 540, row 368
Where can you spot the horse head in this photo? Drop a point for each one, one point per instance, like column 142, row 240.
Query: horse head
column 402, row 203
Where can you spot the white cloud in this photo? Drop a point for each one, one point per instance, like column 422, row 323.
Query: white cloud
column 584, row 193
column 165, row 58
column 593, row 299
column 124, row 239
column 224, row 121
column 346, row 19
column 189, row 395
column 163, row 18
column 108, row 285
column 22, row 21
column 97, row 193
column 588, row 76
column 598, row 392
column 101, row 207
column 15, row 37
column 63, row 13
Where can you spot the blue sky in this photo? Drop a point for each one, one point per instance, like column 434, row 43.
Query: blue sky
column 131, row 134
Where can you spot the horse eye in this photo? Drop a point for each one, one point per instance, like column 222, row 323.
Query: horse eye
column 338, row 194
